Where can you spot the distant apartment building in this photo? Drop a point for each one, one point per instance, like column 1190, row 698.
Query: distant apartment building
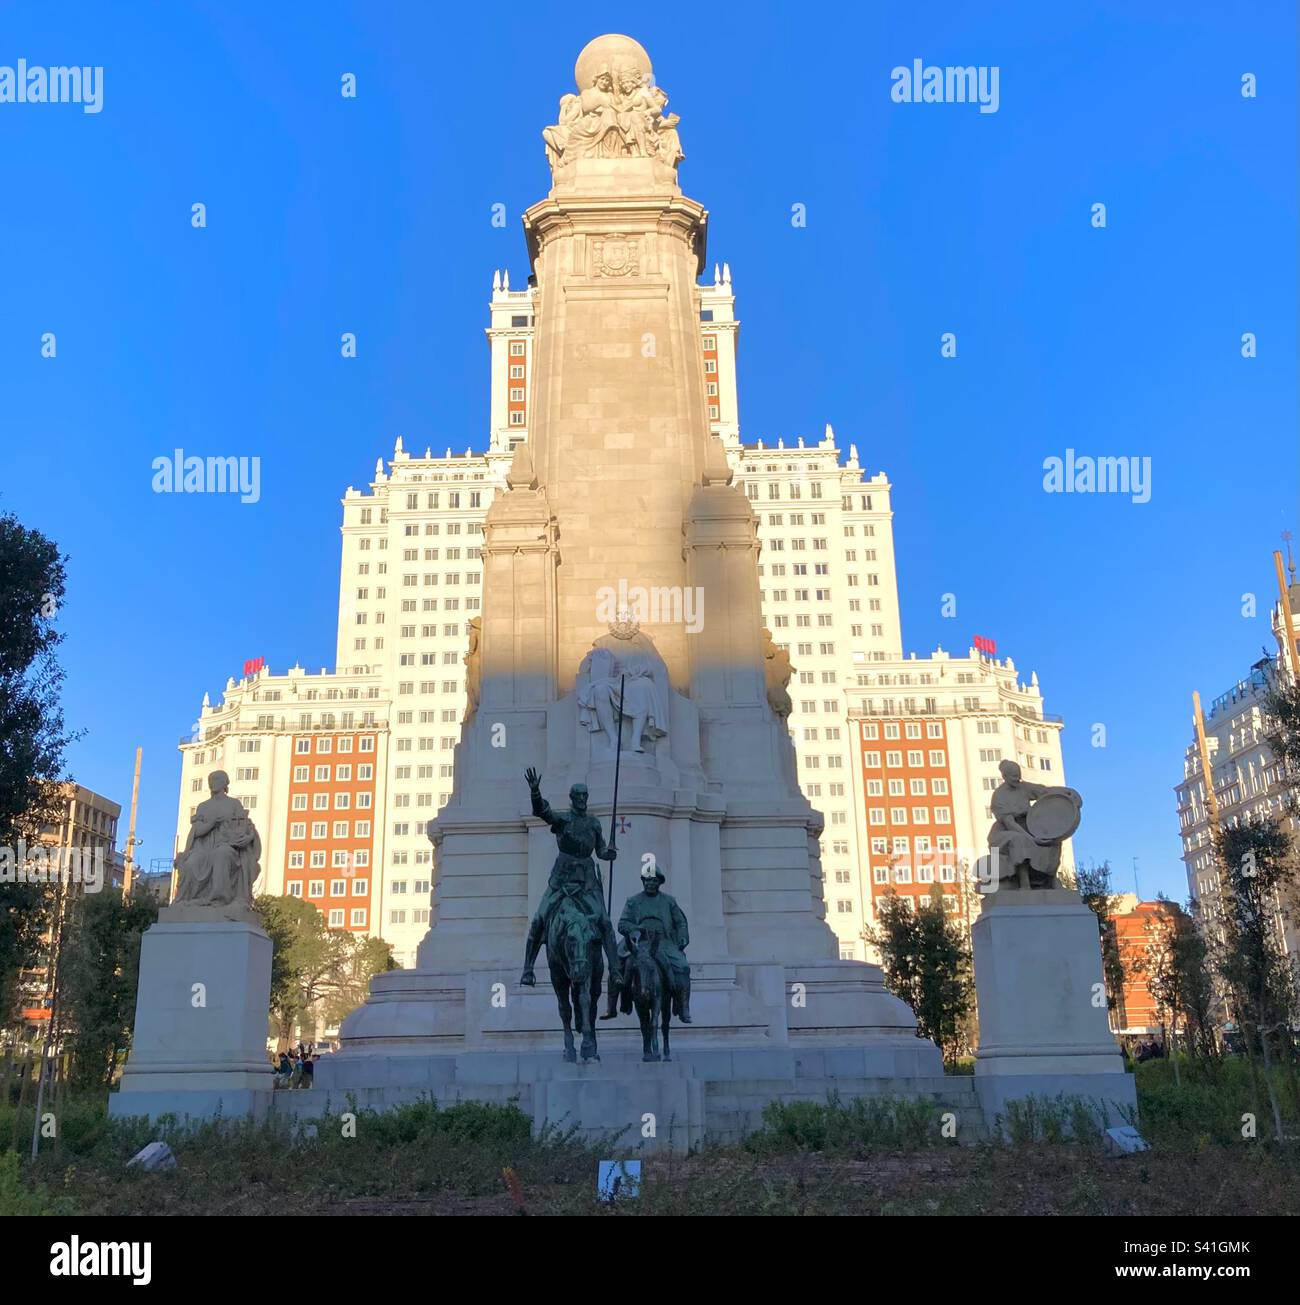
column 84, row 832
column 307, row 755
column 928, row 737
column 411, row 582
column 87, row 822
column 1138, row 927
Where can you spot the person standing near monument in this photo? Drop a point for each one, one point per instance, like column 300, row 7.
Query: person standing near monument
column 653, row 912
column 574, row 874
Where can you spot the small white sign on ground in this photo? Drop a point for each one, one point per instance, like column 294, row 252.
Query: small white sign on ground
column 619, row 1180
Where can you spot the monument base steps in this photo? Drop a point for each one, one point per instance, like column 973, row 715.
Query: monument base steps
column 703, row 1096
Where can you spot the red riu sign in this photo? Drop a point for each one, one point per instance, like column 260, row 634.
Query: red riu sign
column 985, row 645
column 253, row 665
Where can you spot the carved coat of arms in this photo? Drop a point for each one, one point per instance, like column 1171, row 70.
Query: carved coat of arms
column 616, row 255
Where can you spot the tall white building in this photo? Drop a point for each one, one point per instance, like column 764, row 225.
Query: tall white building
column 1244, row 773
column 410, row 583
column 929, row 735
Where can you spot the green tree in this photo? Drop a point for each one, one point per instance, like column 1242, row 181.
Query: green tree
column 1176, row 967
column 317, row 974
column 32, row 736
column 927, row 963
column 1282, row 729
column 1258, row 864
column 1094, row 886
column 365, row 958
column 1181, row 981
column 99, row 975
column 304, row 958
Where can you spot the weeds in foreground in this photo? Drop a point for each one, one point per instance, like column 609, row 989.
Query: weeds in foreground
column 868, row 1156
column 853, row 1128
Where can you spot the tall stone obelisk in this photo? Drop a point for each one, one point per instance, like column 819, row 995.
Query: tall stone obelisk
column 623, row 489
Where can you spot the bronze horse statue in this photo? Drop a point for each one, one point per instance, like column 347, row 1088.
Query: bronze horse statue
column 574, row 956
column 646, row 989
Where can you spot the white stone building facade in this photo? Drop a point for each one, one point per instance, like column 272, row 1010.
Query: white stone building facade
column 1245, row 775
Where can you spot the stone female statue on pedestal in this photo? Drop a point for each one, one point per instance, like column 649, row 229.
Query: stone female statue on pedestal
column 220, row 862
column 1031, row 821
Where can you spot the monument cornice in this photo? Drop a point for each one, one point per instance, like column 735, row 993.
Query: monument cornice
column 569, row 215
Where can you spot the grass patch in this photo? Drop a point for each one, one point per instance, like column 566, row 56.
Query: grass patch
column 1055, row 1119
column 853, row 1128
column 879, row 1155
column 1204, row 1111
column 418, row 1153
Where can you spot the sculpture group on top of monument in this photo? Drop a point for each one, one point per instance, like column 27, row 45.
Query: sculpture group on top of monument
column 618, row 111
column 220, row 862
column 573, row 922
column 1030, row 822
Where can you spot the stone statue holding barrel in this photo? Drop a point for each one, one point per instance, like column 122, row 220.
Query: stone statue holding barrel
column 1030, row 822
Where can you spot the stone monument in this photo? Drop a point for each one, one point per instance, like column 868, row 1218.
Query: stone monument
column 623, row 488
column 1043, row 1020
column 199, row 1047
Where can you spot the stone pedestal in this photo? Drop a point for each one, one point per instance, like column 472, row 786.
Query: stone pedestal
column 199, row 1048
column 1042, row 1006
column 636, row 1107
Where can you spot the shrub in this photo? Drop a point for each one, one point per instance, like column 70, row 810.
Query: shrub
column 861, row 1125
column 15, row 1199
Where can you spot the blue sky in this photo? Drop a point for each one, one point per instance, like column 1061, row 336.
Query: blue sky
column 373, row 215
